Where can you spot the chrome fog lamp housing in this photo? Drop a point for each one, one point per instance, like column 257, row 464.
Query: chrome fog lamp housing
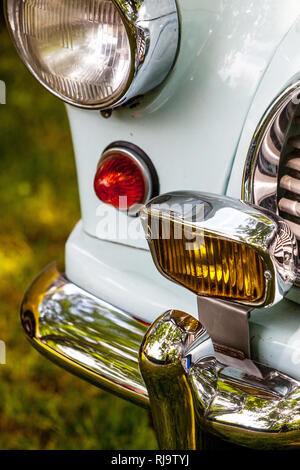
column 221, row 248
column 96, row 54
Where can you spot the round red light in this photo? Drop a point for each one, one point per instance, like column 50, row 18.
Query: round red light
column 119, row 181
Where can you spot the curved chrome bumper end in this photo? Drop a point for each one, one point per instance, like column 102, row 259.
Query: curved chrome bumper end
column 85, row 335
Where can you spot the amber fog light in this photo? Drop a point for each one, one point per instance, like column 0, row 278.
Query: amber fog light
column 125, row 178
column 220, row 247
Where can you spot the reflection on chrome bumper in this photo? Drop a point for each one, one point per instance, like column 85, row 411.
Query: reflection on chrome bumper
column 85, row 335
column 191, row 391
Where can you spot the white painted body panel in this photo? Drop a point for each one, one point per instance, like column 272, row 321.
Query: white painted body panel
column 235, row 57
column 191, row 126
column 283, row 68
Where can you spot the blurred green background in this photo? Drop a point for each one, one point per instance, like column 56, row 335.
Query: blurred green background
column 42, row 406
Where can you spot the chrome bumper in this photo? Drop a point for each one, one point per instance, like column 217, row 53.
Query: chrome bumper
column 85, row 335
column 191, row 391
column 187, row 388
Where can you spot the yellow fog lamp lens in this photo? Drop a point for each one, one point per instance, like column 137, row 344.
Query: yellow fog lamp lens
column 221, row 248
column 212, row 265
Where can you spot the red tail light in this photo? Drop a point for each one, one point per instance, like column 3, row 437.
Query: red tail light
column 123, row 179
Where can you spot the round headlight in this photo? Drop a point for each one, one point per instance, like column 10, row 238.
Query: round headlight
column 95, row 53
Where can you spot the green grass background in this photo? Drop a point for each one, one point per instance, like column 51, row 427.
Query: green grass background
column 42, row 406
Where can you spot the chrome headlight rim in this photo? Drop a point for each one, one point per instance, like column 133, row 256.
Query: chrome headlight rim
column 249, row 193
column 141, row 78
column 261, row 189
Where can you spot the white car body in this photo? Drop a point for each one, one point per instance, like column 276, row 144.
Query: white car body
column 235, row 57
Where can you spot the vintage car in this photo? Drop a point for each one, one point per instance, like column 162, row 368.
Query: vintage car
column 181, row 285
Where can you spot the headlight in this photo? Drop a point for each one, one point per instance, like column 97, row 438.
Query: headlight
column 95, row 53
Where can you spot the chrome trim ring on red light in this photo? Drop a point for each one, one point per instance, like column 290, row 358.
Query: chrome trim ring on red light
column 145, row 168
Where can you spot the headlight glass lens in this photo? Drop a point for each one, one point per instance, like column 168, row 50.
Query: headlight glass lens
column 78, row 49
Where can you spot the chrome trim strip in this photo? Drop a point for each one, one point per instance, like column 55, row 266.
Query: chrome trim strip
column 85, row 335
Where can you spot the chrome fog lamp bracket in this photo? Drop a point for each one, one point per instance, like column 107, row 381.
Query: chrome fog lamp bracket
column 96, row 55
column 190, row 391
